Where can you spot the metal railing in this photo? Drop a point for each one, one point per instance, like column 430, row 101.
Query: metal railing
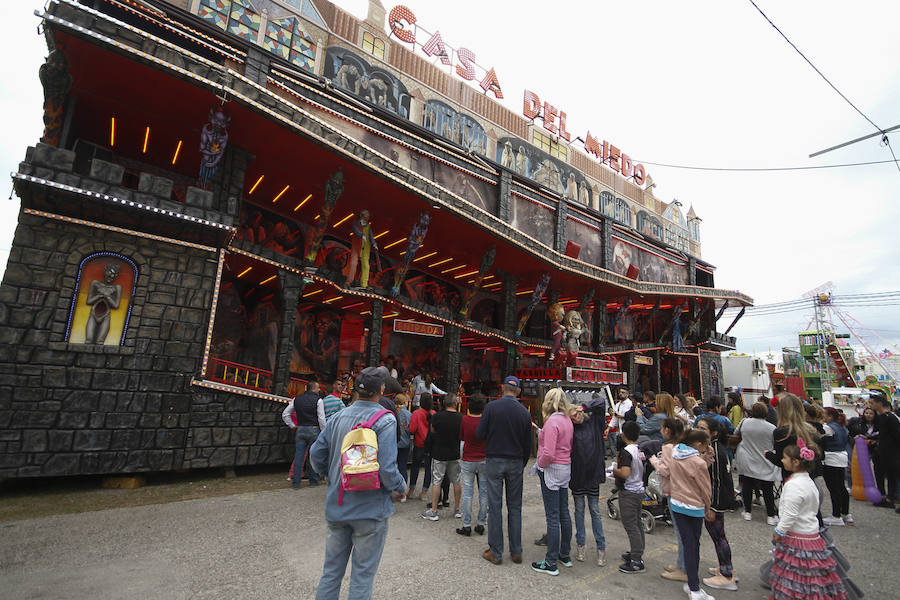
column 240, row 375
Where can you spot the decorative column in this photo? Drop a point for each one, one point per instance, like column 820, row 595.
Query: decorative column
column 606, row 245
column 450, row 360
column 630, row 370
column 505, row 198
column 228, row 182
column 600, row 321
column 256, row 67
column 657, row 371
column 692, row 271
column 678, row 382
column 373, row 354
column 561, row 211
column 291, row 286
column 508, row 318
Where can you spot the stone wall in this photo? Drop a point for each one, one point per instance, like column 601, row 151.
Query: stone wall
column 68, row 409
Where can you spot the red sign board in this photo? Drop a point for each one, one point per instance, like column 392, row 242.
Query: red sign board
column 418, row 328
column 592, row 376
column 553, row 374
column 596, row 363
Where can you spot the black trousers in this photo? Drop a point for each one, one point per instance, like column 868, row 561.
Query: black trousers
column 768, row 493
column 840, row 498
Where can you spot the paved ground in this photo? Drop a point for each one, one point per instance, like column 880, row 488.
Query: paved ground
column 269, row 545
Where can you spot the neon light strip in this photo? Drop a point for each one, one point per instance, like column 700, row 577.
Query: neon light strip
column 440, row 262
column 150, row 236
column 233, row 389
column 339, row 223
column 212, row 312
column 280, row 194
column 146, row 140
column 385, row 232
column 258, row 181
column 75, row 190
column 426, row 256
column 392, row 244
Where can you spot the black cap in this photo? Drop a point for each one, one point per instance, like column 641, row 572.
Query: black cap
column 369, row 380
column 391, row 385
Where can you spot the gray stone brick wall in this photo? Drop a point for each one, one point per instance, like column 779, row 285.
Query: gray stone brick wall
column 71, row 409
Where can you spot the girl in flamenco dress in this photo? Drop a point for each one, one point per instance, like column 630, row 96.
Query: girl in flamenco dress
column 804, row 567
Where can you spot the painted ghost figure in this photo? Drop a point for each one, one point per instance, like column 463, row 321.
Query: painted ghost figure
column 213, row 141
column 103, row 298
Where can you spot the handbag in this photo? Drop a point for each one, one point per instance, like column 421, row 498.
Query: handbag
column 734, row 439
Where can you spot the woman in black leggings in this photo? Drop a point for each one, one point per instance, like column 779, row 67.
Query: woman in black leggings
column 835, row 446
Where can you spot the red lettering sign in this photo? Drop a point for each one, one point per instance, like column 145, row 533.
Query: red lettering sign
column 562, row 127
column 550, row 114
column 435, row 47
column 396, row 17
column 531, row 107
column 590, row 376
column 466, row 70
column 592, row 145
column 490, row 83
column 551, row 374
column 596, row 363
column 418, row 328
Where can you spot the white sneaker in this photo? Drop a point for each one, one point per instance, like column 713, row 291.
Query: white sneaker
column 457, row 514
column 430, row 515
column 698, row 595
column 748, row 517
column 579, row 553
column 848, row 520
column 773, row 521
column 833, row 521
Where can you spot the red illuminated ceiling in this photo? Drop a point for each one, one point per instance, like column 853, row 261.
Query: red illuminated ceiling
column 292, row 168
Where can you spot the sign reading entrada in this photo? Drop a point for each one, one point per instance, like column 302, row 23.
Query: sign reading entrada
column 402, row 23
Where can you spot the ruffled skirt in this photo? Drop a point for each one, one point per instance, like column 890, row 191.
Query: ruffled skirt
column 804, row 569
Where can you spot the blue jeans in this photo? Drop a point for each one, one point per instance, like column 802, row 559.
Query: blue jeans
column 365, row 538
column 471, row 470
column 593, row 504
column 559, row 522
column 680, row 562
column 502, row 471
column 402, row 460
column 304, row 438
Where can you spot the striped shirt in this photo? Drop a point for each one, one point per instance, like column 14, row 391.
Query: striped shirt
column 332, row 405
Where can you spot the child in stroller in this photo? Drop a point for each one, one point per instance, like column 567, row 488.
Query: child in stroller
column 654, row 506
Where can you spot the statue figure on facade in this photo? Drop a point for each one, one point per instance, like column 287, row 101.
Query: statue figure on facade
column 56, row 80
column 414, row 242
column 363, row 245
column 213, row 141
column 556, row 312
column 103, row 298
column 620, row 315
column 574, row 325
column 334, row 187
column 536, row 296
column 487, row 262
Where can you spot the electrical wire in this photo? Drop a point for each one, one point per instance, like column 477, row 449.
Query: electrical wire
column 768, row 169
column 884, row 137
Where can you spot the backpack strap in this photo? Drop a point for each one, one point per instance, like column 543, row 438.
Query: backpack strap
column 368, row 424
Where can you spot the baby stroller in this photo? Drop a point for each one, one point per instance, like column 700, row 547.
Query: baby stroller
column 654, row 506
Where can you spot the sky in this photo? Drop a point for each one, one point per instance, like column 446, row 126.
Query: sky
column 703, row 83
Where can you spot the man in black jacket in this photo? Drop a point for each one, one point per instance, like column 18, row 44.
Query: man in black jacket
column 506, row 426
column 888, row 425
column 310, row 413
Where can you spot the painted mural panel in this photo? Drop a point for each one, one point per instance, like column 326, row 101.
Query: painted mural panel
column 101, row 306
column 420, row 287
column 650, row 267
column 552, row 173
column 259, row 226
column 246, row 327
column 317, row 338
column 410, row 351
column 476, row 191
column 455, row 126
column 589, row 240
column 370, row 83
column 532, row 219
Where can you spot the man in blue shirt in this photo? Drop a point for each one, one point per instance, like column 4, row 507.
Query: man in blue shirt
column 359, row 524
column 506, row 425
column 713, row 405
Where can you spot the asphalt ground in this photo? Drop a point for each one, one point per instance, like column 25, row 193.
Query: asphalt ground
column 269, row 544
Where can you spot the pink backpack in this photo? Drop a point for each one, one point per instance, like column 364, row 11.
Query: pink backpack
column 359, row 458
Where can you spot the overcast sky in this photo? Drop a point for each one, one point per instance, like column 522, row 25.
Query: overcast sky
column 704, row 83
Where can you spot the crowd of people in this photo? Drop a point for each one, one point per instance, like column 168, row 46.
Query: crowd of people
column 780, row 446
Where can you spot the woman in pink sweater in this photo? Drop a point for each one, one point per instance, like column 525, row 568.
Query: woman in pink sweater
column 555, row 468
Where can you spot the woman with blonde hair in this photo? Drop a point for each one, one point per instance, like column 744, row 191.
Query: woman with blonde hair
column 792, row 426
column 555, row 469
column 663, row 409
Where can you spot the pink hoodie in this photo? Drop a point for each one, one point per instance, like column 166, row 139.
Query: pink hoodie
column 555, row 441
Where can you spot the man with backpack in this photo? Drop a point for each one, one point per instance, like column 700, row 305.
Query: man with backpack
column 358, row 450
